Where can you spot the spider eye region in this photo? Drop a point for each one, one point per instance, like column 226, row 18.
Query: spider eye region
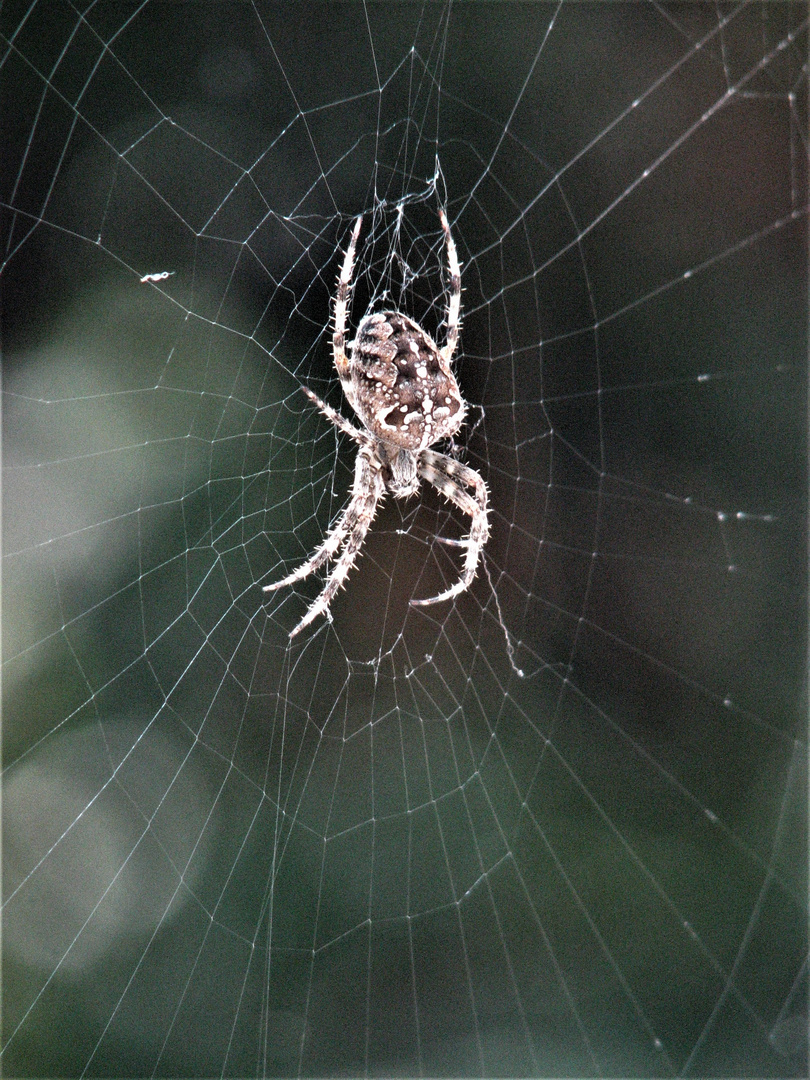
column 404, row 390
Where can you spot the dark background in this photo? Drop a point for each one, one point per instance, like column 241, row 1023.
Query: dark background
column 556, row 828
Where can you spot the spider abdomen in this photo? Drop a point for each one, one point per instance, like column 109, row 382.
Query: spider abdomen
column 404, row 390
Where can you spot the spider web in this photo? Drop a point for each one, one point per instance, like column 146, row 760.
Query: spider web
column 556, row 827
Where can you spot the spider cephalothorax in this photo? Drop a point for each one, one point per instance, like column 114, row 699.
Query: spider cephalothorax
column 403, row 391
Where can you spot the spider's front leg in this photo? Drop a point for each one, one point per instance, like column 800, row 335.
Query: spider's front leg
column 369, row 488
column 345, row 523
column 349, row 531
column 451, row 478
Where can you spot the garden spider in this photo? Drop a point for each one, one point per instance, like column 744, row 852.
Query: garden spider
column 401, row 387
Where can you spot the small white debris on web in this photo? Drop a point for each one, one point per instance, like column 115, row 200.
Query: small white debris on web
column 156, row 277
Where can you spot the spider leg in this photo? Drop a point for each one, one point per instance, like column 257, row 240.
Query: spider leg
column 454, row 305
column 448, row 476
column 325, row 553
column 345, row 523
column 341, row 304
column 369, row 488
column 339, row 421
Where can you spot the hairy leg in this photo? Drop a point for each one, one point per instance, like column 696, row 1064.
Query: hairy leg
column 452, row 478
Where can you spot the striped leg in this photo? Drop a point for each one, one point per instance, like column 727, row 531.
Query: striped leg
column 339, row 421
column 348, row 519
column 454, row 305
column 451, row 479
column 369, row 487
column 341, row 305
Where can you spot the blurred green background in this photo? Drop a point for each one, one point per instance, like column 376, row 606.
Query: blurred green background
column 558, row 828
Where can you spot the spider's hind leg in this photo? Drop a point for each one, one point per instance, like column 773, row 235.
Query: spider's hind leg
column 341, row 307
column 454, row 301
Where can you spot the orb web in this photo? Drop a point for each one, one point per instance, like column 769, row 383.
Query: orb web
column 555, row 827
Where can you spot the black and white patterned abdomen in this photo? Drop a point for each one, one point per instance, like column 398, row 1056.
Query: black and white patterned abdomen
column 405, row 392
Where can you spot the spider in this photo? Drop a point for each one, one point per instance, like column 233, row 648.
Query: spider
column 403, row 392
